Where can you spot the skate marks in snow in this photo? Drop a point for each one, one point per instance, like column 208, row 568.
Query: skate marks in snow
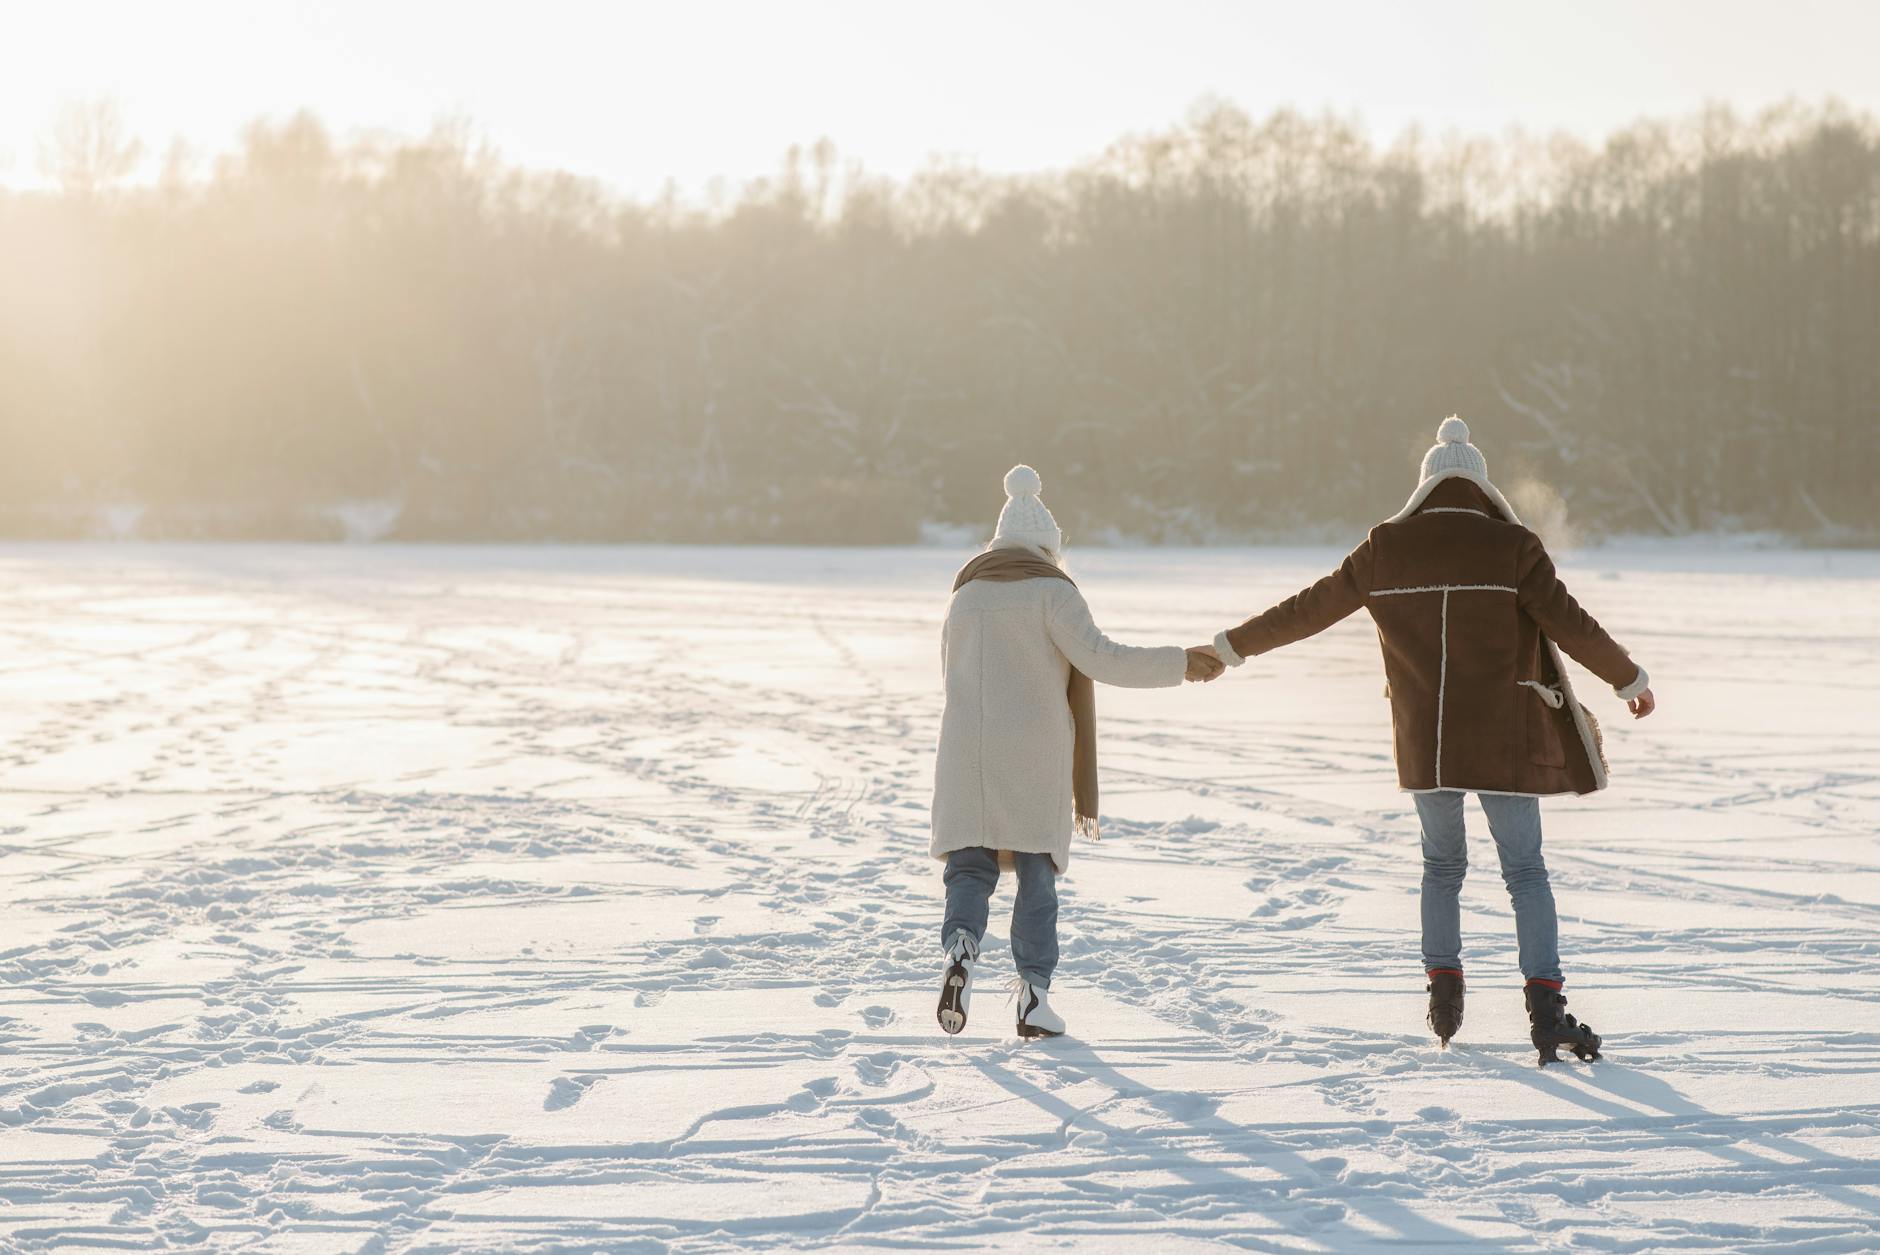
column 481, row 899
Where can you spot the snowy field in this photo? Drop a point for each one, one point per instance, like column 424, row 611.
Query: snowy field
column 402, row 899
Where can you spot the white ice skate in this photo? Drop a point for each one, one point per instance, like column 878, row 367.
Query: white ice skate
column 956, row 987
column 1035, row 1016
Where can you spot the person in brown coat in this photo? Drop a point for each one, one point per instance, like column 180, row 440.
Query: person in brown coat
column 1472, row 617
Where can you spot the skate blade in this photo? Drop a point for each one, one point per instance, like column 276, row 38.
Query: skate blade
column 1585, row 1054
column 1032, row 1030
column 951, row 1014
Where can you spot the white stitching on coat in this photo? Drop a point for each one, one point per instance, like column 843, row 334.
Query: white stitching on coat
column 1443, row 674
column 1444, row 589
column 1442, row 682
column 1451, row 509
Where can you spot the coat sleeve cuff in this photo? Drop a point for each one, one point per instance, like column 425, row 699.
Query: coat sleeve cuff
column 1180, row 665
column 1636, row 687
column 1233, row 659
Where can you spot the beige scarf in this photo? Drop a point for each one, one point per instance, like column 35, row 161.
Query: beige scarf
column 1002, row 566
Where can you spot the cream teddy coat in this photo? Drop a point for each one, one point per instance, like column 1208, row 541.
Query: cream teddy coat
column 1002, row 778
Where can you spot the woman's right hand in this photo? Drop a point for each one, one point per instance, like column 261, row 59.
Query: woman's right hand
column 1203, row 664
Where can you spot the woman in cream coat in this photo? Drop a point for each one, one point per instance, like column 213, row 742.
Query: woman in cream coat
column 1018, row 645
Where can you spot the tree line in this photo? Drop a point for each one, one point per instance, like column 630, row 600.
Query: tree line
column 1231, row 328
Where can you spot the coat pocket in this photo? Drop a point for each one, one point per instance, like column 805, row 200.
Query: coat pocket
column 1544, row 718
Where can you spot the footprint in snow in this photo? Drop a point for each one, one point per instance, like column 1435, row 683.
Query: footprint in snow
column 588, row 1036
column 877, row 1069
column 567, row 1091
column 259, row 1087
column 876, row 1016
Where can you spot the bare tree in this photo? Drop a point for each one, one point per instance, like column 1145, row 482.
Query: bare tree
column 90, row 148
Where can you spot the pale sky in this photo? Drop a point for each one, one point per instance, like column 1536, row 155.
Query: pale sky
column 639, row 93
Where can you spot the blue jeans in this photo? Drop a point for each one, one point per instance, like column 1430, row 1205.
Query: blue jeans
column 1515, row 823
column 970, row 878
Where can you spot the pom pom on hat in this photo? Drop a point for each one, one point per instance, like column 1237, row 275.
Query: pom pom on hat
column 1022, row 481
column 1453, row 431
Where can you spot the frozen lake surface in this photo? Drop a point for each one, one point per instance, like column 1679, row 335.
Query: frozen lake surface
column 404, row 899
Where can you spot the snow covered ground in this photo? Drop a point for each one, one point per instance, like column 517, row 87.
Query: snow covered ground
column 451, row 899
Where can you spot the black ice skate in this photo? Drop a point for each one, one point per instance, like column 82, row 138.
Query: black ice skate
column 956, row 986
column 1551, row 1026
column 1445, row 991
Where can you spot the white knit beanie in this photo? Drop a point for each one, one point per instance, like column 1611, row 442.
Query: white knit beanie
column 1453, row 452
column 1024, row 520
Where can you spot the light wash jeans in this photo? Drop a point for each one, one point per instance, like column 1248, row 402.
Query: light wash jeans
column 1515, row 823
column 971, row 876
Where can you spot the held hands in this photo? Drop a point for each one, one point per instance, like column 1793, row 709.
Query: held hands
column 1205, row 665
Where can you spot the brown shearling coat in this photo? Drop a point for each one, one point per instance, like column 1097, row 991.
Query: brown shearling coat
column 1467, row 604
